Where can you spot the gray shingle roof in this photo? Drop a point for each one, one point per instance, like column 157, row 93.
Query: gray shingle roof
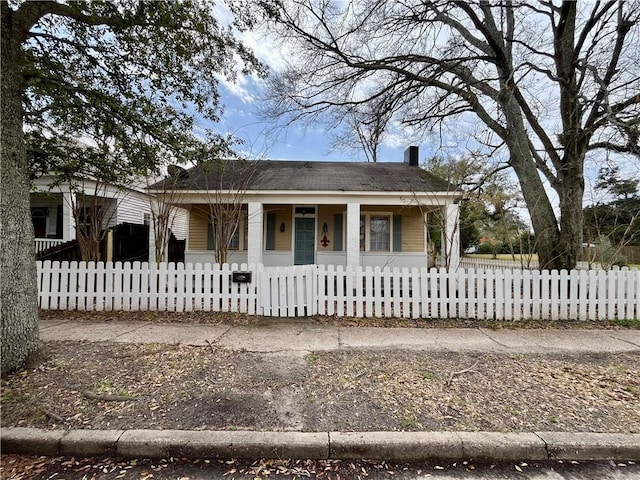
column 269, row 175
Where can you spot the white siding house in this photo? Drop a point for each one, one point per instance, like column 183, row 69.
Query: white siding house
column 52, row 209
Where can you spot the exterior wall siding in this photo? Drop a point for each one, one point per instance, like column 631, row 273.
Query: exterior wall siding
column 283, row 215
column 198, row 228
column 132, row 207
column 326, row 215
column 198, row 224
column 413, row 228
column 180, row 222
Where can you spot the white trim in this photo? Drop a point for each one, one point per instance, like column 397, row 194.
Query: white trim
column 353, row 234
column 332, row 198
column 48, row 184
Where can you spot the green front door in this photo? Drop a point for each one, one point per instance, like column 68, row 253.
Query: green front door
column 305, row 241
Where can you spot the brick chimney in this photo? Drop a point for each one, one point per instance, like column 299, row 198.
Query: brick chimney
column 411, row 155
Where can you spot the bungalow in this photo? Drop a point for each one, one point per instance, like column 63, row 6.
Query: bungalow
column 331, row 213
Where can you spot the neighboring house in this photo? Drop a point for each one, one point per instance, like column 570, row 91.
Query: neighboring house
column 331, row 213
column 52, row 211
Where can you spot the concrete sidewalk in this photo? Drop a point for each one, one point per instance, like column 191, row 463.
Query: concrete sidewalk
column 300, row 336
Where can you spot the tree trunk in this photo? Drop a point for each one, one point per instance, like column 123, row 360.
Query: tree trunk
column 543, row 218
column 571, row 214
column 18, row 309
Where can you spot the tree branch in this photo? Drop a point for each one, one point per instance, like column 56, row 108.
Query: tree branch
column 623, row 28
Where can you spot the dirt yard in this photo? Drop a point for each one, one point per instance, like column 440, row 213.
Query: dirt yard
column 107, row 385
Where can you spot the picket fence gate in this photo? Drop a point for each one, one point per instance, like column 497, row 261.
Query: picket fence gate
column 509, row 294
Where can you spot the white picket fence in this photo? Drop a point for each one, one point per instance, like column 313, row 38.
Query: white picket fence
column 343, row 291
column 498, row 264
column 143, row 286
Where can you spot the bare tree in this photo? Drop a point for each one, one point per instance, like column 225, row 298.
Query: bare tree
column 163, row 208
column 545, row 84
column 366, row 126
column 226, row 182
column 92, row 211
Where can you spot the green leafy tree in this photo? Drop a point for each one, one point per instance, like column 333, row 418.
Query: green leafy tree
column 540, row 83
column 139, row 74
column 615, row 223
column 490, row 203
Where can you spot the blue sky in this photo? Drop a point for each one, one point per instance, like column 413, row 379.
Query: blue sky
column 299, row 141
column 294, row 142
column 241, row 100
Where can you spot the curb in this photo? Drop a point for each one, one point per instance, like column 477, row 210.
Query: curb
column 401, row 446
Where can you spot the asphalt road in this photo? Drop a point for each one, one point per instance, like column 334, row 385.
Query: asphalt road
column 15, row 467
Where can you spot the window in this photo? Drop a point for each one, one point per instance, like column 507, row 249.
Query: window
column 375, row 233
column 237, row 242
column 89, row 215
column 234, row 244
column 379, row 233
column 235, row 239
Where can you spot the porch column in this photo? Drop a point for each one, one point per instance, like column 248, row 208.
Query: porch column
column 152, row 243
column 353, row 234
column 68, row 222
column 254, row 217
column 451, row 236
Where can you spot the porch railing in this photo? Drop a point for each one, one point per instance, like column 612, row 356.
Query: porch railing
column 43, row 244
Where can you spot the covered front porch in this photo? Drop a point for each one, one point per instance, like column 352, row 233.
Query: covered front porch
column 392, row 231
column 53, row 219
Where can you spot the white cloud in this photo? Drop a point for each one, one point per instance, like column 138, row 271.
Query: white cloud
column 243, row 87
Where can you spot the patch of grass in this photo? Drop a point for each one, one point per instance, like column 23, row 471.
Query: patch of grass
column 409, row 421
column 505, row 256
column 631, row 322
column 104, row 386
column 313, row 357
column 429, row 375
column 514, row 412
column 6, row 396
